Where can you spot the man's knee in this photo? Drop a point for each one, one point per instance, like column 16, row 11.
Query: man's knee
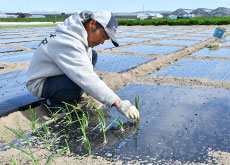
column 61, row 88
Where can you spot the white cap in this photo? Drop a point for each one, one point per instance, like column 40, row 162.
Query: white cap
column 108, row 21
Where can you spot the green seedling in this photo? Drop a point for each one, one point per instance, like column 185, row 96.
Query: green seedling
column 32, row 120
column 56, row 155
column 137, row 105
column 102, row 122
column 31, row 159
column 83, row 123
column 119, row 122
column 68, row 113
column 45, row 140
column 49, row 142
column 53, row 114
column 22, row 135
column 10, row 160
column 43, row 125
column 67, row 146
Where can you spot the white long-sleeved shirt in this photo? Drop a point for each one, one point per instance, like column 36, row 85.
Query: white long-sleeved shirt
column 67, row 52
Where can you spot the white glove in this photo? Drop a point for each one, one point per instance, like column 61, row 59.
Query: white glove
column 128, row 110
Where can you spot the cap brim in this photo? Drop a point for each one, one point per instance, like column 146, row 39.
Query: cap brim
column 112, row 37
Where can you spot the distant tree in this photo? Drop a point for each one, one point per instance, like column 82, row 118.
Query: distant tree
column 62, row 15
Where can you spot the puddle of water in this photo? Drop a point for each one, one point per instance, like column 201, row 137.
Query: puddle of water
column 212, row 52
column 119, row 63
column 208, row 69
column 17, row 57
column 31, row 45
column 4, row 50
column 176, row 123
column 147, row 49
column 177, row 42
column 108, row 45
column 133, row 39
column 193, row 38
column 13, row 91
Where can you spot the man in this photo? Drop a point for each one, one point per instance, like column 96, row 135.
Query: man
column 62, row 65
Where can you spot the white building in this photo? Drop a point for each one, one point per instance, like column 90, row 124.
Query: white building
column 3, row 15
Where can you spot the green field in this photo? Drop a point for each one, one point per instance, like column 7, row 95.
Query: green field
column 127, row 22
column 167, row 21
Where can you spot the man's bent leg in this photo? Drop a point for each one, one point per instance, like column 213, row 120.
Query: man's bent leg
column 61, row 88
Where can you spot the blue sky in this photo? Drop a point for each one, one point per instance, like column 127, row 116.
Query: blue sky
column 69, row 6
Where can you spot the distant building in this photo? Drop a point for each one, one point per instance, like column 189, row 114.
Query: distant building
column 143, row 16
column 156, row 15
column 38, row 16
column 220, row 12
column 125, row 15
column 201, row 12
column 172, row 16
column 181, row 12
column 3, row 15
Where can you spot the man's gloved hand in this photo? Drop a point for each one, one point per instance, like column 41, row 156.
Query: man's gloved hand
column 128, row 110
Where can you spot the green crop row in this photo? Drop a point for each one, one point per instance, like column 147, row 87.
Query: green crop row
column 167, row 21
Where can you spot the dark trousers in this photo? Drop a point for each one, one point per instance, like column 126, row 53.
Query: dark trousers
column 61, row 88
